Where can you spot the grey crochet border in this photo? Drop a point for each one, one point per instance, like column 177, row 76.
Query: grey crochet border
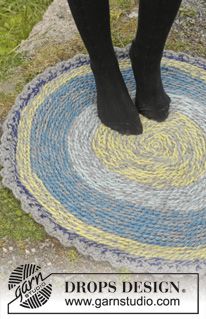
column 30, row 205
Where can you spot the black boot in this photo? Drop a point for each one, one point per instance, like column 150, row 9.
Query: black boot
column 115, row 107
column 155, row 20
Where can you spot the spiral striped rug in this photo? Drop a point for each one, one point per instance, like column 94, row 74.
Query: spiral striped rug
column 138, row 201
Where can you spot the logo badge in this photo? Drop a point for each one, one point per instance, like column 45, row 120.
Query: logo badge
column 30, row 287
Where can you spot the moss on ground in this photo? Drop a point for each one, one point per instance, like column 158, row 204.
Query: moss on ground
column 73, row 255
column 176, row 43
column 187, row 12
column 14, row 223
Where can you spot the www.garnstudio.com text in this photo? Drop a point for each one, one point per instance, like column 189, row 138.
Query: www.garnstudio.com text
column 138, row 287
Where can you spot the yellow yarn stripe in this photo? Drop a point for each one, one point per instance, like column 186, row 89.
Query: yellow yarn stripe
column 115, row 150
column 62, row 217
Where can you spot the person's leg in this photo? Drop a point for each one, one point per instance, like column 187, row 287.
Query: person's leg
column 154, row 23
column 115, row 107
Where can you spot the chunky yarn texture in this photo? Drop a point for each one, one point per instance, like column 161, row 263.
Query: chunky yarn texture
column 138, row 201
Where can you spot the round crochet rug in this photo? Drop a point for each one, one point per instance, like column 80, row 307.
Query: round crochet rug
column 138, row 201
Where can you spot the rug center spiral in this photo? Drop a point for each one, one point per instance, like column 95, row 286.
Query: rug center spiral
column 172, row 153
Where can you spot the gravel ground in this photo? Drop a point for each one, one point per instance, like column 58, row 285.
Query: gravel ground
column 190, row 25
column 49, row 254
column 58, row 26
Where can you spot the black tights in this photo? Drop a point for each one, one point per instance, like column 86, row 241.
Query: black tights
column 115, row 107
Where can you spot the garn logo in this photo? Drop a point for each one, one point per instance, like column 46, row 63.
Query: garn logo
column 30, row 286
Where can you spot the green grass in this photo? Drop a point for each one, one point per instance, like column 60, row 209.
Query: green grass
column 17, row 17
column 14, row 223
